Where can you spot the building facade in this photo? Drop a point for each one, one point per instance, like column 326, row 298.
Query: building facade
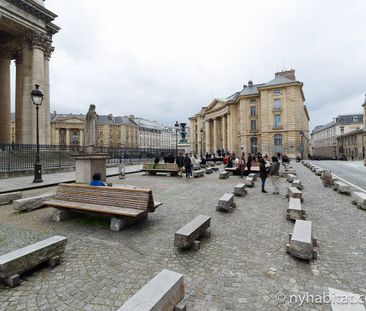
column 268, row 118
column 352, row 145
column 26, row 30
column 68, row 130
column 324, row 138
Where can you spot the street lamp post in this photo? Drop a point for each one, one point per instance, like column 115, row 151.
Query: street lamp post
column 37, row 99
column 302, row 145
column 176, row 125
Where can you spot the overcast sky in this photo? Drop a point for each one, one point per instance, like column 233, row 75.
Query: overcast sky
column 164, row 60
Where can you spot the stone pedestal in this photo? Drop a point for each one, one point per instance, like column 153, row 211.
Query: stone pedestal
column 87, row 164
column 185, row 147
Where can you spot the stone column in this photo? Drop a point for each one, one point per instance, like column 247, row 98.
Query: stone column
column 67, row 137
column 229, row 134
column 57, row 137
column 208, row 135
column 224, row 132
column 215, row 135
column 46, row 93
column 5, row 98
column 19, row 98
column 81, row 138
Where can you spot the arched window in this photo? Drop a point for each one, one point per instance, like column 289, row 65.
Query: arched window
column 278, row 144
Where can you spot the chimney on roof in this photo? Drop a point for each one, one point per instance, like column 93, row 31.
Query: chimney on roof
column 244, row 86
column 110, row 116
column 289, row 74
column 131, row 117
column 250, row 83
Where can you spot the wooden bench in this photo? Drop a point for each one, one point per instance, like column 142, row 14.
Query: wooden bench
column 290, row 177
column 199, row 173
column 188, row 235
column 163, row 292
column 6, row 198
column 226, row 203
column 223, row 175
column 295, row 193
column 152, row 168
column 301, row 242
column 13, row 264
column 294, row 210
column 359, row 199
column 341, row 187
column 239, row 190
column 124, row 206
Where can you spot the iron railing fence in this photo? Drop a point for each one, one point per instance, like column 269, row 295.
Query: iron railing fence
column 16, row 157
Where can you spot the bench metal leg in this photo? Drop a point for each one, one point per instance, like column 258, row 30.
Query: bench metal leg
column 61, row 214
column 13, row 280
column 54, row 261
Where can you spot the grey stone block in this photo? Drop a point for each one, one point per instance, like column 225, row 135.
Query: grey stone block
column 226, row 203
column 199, row 173
column 6, row 198
column 297, row 184
column 180, row 307
column 26, row 258
column 163, row 292
column 208, row 170
column 301, row 242
column 190, row 232
column 291, row 177
column 293, row 192
column 359, row 198
column 253, row 176
column 239, row 190
column 249, row 181
column 196, row 245
column 294, row 211
column 117, row 224
column 30, row 204
column 61, row 214
column 224, row 175
column 342, row 187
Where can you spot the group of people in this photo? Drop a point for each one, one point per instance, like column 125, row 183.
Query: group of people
column 188, row 162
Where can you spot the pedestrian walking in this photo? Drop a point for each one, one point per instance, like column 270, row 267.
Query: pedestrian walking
column 263, row 173
column 274, row 173
column 179, row 161
column 242, row 165
column 187, row 165
column 249, row 162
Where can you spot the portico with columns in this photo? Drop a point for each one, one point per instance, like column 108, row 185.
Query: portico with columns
column 26, row 31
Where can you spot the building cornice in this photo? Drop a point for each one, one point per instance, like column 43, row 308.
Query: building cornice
column 34, row 9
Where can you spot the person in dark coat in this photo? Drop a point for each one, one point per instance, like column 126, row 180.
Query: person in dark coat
column 179, row 162
column 249, row 162
column 187, row 165
column 263, row 173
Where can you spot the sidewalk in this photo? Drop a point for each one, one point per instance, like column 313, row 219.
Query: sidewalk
column 26, row 182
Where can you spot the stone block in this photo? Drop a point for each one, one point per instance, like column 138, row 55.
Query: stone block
column 208, row 170
column 295, row 193
column 61, row 214
column 117, row 224
column 291, row 171
column 301, row 242
column 198, row 173
column 163, row 292
column 319, row 171
column 249, row 182
column 190, row 232
column 359, row 198
column 345, row 301
column 239, row 190
column 196, row 245
column 215, row 169
column 6, row 198
column 17, row 262
column 290, row 177
column 224, row 175
column 297, row 184
column 30, row 204
column 210, row 163
column 226, row 203
column 294, row 211
column 253, row 176
column 180, row 307
column 342, row 187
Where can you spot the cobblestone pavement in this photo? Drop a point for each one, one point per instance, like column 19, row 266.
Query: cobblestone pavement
column 243, row 266
column 26, row 182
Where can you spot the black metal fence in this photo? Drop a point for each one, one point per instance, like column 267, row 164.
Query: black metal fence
column 15, row 157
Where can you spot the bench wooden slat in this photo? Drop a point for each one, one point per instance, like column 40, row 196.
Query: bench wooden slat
column 103, row 209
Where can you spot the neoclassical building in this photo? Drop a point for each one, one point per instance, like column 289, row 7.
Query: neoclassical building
column 268, row 118
column 68, row 130
column 26, row 31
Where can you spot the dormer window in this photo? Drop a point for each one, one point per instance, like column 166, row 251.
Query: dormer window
column 277, row 92
column 355, row 119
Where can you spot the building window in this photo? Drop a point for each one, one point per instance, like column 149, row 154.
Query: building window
column 355, row 119
column 252, row 100
column 253, row 110
column 277, row 141
column 277, row 104
column 253, row 145
column 253, row 125
column 276, row 92
column 342, row 130
column 277, row 121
